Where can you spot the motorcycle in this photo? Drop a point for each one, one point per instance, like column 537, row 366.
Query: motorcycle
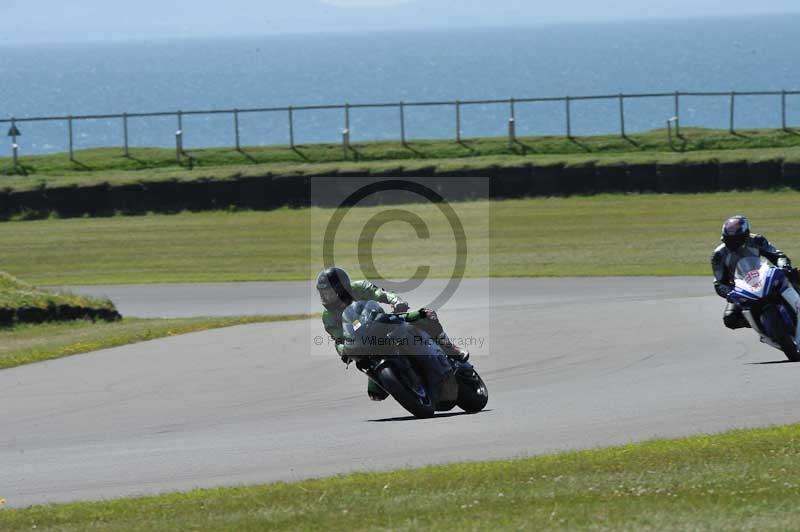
column 770, row 302
column 408, row 364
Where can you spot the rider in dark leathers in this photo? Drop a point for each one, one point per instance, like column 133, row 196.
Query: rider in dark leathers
column 336, row 292
column 738, row 242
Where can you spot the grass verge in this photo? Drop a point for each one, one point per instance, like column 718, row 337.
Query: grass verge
column 21, row 302
column 95, row 166
column 24, row 344
column 741, row 480
column 613, row 234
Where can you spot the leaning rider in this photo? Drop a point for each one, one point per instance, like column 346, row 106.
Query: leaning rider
column 737, row 243
column 336, row 292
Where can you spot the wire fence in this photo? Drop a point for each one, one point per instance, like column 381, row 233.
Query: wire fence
column 400, row 108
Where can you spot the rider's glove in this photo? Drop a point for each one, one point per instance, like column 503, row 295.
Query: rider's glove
column 400, row 307
column 784, row 263
column 430, row 314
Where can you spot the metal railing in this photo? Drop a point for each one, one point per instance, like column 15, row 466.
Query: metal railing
column 347, row 108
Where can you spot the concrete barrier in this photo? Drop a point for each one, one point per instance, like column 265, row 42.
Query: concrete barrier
column 7, row 315
column 195, row 195
column 95, row 199
column 32, row 315
column 611, row 178
column 546, row 179
column 128, row 199
column 254, row 192
column 703, row 177
column 733, row 175
column 525, row 180
column 161, row 196
column 4, row 210
column 28, row 314
column 290, row 191
column 67, row 201
column 765, row 174
column 577, row 179
column 34, row 201
column 790, row 174
column 672, row 177
column 642, row 177
column 223, row 194
column 513, row 182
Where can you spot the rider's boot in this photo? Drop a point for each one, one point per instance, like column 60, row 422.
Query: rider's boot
column 791, row 296
column 459, row 354
column 375, row 392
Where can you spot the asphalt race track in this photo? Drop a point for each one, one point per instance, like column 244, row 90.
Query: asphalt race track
column 570, row 363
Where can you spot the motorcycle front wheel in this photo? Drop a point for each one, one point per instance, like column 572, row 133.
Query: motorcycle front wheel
column 416, row 401
column 781, row 335
column 472, row 393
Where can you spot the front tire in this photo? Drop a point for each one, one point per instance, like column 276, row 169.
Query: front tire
column 418, row 404
column 472, row 392
column 781, row 335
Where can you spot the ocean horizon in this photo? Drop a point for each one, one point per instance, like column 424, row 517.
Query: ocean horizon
column 165, row 75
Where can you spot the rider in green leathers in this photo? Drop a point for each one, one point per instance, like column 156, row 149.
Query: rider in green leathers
column 336, row 291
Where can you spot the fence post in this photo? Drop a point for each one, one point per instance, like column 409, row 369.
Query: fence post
column 402, row 124
column 678, row 113
column 71, row 144
column 458, row 121
column 346, row 143
column 569, row 118
column 512, row 124
column 179, row 138
column 622, row 115
column 733, row 104
column 783, row 110
column 236, row 128
column 669, row 131
column 13, row 132
column 125, row 133
column 291, row 127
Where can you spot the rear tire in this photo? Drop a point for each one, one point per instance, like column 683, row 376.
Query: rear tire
column 472, row 393
column 781, row 336
column 413, row 402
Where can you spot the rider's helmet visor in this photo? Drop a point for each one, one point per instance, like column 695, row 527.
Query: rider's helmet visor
column 733, row 242
column 328, row 295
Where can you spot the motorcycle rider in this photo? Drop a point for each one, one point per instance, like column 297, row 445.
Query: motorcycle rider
column 738, row 242
column 336, row 292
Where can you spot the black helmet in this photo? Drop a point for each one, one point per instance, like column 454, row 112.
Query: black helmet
column 333, row 286
column 735, row 231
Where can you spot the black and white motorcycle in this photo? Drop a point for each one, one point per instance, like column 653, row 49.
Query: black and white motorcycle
column 407, row 364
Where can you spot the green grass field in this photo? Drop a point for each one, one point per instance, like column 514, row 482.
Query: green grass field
column 110, row 165
column 742, row 480
column 24, row 344
column 648, row 234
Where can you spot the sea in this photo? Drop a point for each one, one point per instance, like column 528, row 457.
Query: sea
column 714, row 54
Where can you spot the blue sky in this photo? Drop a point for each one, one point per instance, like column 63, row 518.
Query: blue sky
column 82, row 20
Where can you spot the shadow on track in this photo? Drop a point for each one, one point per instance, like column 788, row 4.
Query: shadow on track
column 770, row 362
column 412, row 418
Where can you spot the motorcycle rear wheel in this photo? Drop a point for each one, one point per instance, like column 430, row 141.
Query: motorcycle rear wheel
column 410, row 400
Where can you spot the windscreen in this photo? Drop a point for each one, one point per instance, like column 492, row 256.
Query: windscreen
column 358, row 315
column 747, row 265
